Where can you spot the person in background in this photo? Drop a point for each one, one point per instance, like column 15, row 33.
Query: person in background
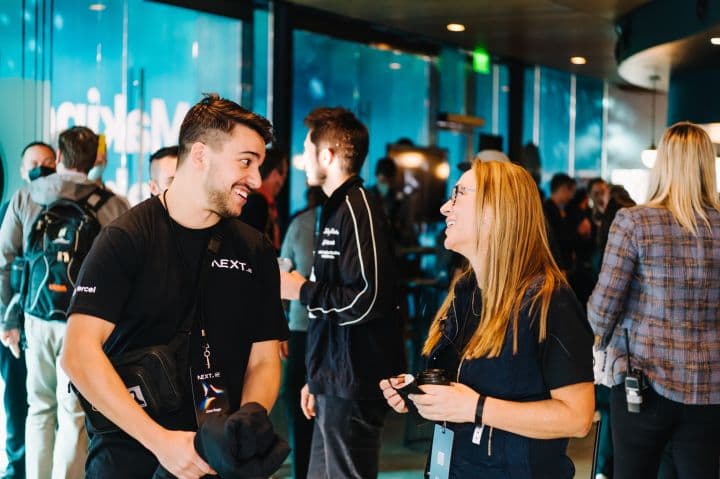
column 261, row 211
column 511, row 335
column 560, row 232
column 56, row 441
column 163, row 164
column 354, row 332
column 298, row 248
column 38, row 160
column 656, row 310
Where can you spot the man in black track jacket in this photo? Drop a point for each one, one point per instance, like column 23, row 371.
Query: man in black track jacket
column 354, row 334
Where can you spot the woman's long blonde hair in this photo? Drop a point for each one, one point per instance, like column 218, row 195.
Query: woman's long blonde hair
column 517, row 256
column 683, row 177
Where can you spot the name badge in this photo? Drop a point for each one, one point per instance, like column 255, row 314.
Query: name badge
column 441, row 453
column 209, row 391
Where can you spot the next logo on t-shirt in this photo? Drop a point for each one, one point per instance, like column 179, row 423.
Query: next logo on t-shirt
column 224, row 263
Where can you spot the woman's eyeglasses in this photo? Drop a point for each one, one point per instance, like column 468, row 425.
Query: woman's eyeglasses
column 459, row 189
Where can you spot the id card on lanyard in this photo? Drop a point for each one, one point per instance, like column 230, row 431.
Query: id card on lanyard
column 208, row 386
column 441, row 452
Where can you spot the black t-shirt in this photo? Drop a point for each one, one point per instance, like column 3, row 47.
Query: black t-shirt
column 141, row 274
column 564, row 356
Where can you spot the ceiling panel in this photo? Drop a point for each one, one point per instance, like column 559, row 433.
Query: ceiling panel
column 544, row 32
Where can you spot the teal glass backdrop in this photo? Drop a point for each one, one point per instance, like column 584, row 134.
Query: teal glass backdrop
column 388, row 90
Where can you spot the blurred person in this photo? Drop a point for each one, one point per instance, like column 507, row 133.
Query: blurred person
column 261, row 210
column 510, row 333
column 658, row 292
column 56, row 442
column 38, row 159
column 298, row 248
column 560, row 232
column 395, row 203
column 582, row 278
column 354, row 333
column 163, row 164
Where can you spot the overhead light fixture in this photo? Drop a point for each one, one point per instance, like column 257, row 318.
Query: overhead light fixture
column 395, row 66
column 649, row 155
column 715, row 40
column 578, row 60
column 97, row 7
column 456, row 27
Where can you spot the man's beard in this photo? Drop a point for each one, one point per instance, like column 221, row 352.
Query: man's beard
column 220, row 202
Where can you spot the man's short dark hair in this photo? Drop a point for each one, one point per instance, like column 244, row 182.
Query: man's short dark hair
column 213, row 116
column 341, row 131
column 275, row 159
column 560, row 179
column 386, row 167
column 594, row 181
column 38, row 143
column 162, row 153
column 78, row 146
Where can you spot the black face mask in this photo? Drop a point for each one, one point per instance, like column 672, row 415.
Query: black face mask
column 39, row 171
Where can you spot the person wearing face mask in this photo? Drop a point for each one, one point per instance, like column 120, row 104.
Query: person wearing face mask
column 38, row 160
column 55, row 432
column 511, row 336
column 261, row 211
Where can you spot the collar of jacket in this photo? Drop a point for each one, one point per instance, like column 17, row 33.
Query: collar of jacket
column 338, row 196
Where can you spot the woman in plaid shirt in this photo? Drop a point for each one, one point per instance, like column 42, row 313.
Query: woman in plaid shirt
column 660, row 281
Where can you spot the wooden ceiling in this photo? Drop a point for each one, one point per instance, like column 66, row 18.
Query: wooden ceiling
column 544, row 32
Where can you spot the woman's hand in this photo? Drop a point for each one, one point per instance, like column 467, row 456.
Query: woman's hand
column 453, row 403
column 392, row 397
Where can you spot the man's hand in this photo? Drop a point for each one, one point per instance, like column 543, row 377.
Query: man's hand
column 176, row 452
column 290, row 284
column 307, row 402
column 11, row 339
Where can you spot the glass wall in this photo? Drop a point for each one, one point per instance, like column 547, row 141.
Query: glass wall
column 563, row 116
column 387, row 89
column 104, row 72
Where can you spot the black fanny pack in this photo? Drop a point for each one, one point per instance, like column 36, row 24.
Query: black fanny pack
column 155, row 375
column 152, row 378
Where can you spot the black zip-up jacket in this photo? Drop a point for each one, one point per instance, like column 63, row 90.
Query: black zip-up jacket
column 354, row 335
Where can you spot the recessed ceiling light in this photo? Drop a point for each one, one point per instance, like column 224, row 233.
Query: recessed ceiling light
column 578, row 60
column 395, row 66
column 97, row 7
column 456, row 27
column 715, row 40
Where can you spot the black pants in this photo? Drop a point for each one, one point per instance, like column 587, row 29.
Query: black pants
column 300, row 429
column 693, row 433
column 14, row 374
column 346, row 438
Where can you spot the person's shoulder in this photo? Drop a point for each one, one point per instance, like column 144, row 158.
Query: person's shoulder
column 140, row 218
column 242, row 232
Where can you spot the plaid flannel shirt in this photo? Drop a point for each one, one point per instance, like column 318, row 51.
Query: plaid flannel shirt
column 663, row 285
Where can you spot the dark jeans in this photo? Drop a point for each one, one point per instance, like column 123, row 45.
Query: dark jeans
column 346, row 438
column 118, row 456
column 300, row 429
column 693, row 433
column 14, row 373
column 604, row 463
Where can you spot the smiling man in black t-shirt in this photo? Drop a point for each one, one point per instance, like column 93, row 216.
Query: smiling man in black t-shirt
column 140, row 280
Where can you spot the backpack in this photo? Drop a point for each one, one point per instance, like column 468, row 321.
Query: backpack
column 60, row 238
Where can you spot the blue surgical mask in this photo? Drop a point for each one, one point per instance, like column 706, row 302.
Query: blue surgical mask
column 96, row 172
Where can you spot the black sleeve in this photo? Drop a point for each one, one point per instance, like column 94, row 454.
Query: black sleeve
column 106, row 276
column 255, row 212
column 567, row 351
column 274, row 324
